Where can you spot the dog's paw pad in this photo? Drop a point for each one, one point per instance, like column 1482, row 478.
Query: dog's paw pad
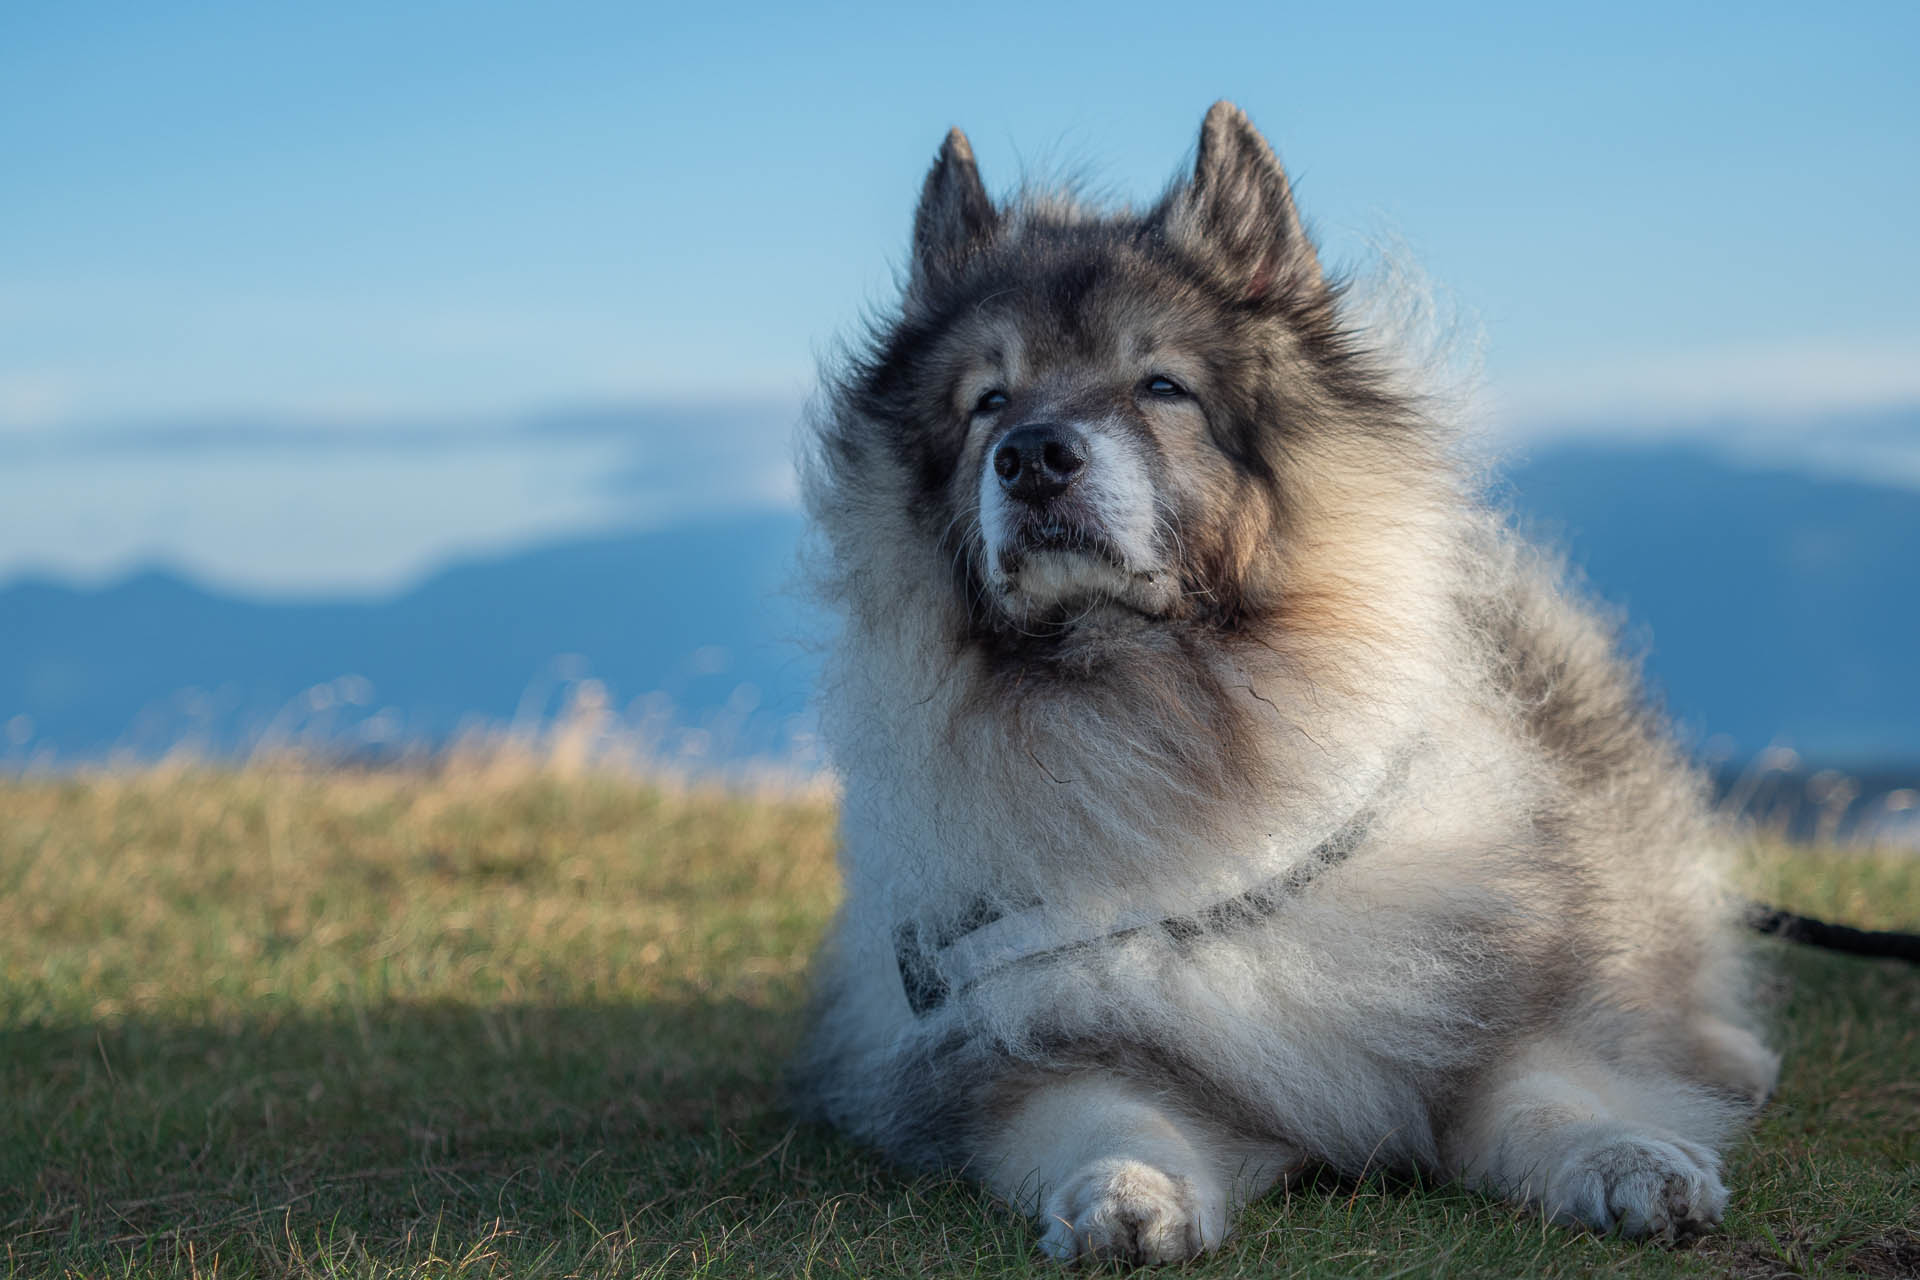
column 1639, row 1185
column 1128, row 1211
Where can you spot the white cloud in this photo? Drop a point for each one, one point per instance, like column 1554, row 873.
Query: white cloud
column 1761, row 384
column 1843, row 408
column 304, row 506
column 338, row 523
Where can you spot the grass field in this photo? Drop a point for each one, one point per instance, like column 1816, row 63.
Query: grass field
column 275, row 1023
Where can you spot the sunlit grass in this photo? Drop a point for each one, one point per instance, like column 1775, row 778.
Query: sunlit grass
column 481, row 1023
column 1866, row 887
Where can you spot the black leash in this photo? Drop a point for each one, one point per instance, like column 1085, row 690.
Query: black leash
column 1833, row 937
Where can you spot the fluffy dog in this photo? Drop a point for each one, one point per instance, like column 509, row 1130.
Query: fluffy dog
column 1224, row 787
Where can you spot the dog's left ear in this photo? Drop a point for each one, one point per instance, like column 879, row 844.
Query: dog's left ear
column 1238, row 211
column 955, row 217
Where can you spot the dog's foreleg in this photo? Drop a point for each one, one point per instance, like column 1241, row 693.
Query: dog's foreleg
column 1110, row 1172
column 1588, row 1146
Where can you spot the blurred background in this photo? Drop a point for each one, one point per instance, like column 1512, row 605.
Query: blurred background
column 374, row 375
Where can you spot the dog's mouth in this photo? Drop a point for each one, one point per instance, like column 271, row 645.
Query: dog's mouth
column 1037, row 537
column 1047, row 565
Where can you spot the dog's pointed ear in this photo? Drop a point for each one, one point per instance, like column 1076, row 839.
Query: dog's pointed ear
column 955, row 215
column 1237, row 211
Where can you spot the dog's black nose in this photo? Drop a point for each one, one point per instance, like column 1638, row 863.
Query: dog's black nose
column 1038, row 461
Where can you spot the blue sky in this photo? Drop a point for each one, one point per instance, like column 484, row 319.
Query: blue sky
column 367, row 216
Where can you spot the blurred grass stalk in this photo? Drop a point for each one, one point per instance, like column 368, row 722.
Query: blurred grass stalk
column 332, row 726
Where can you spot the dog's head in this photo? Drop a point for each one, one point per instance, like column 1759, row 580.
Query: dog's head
column 1097, row 417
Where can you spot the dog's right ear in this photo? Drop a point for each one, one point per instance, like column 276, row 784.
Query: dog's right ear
column 955, row 216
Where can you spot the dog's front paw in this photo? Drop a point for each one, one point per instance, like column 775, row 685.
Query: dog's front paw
column 1129, row 1211
column 1644, row 1186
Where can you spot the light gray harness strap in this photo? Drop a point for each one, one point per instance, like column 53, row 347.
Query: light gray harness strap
column 937, row 962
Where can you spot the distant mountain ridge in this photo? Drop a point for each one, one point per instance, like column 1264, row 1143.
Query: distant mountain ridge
column 692, row 612
column 1772, row 605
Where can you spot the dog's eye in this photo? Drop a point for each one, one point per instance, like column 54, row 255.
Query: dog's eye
column 1159, row 386
column 992, row 400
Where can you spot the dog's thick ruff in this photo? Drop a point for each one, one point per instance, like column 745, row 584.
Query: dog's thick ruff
column 1154, row 573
